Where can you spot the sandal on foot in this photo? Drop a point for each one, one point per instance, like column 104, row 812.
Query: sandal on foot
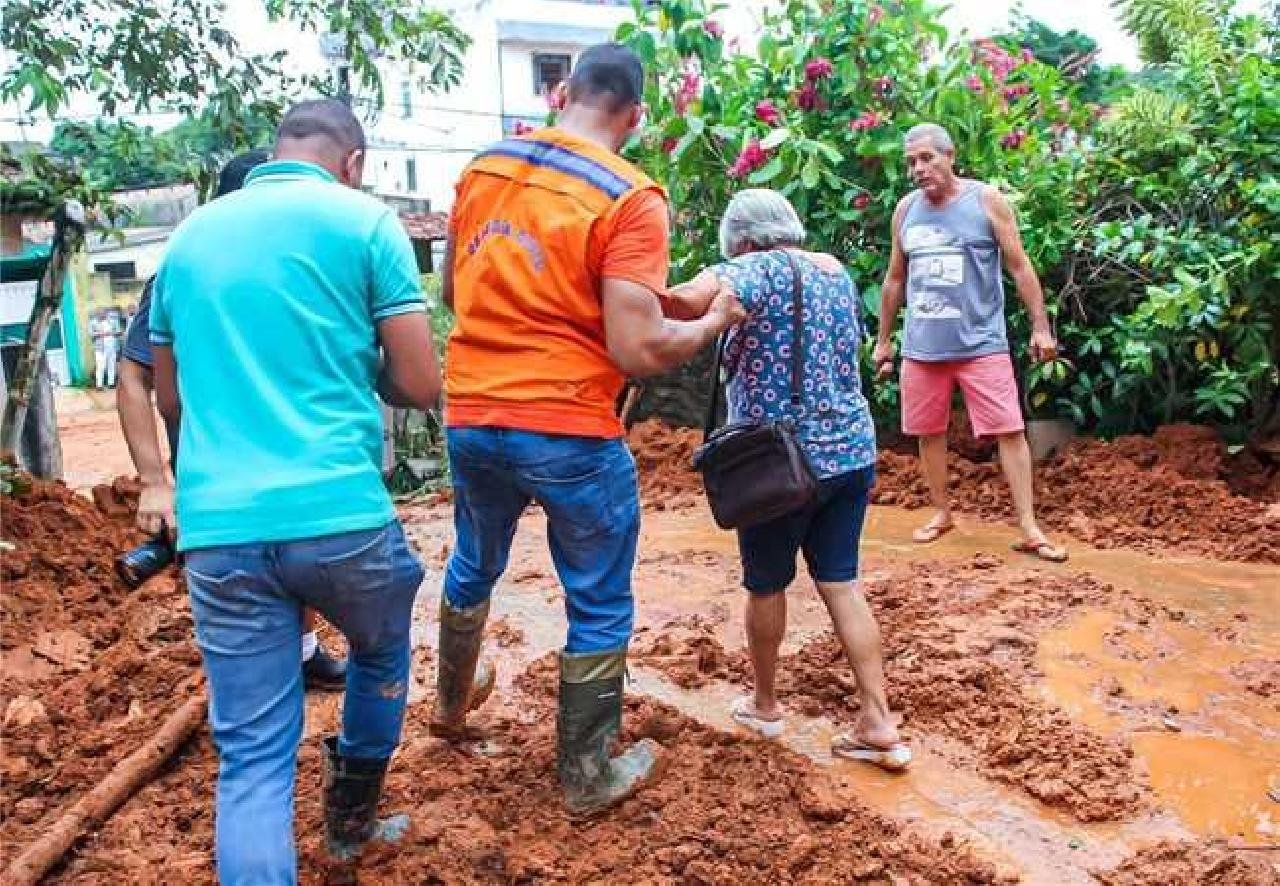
column 744, row 715
column 931, row 532
column 895, row 758
column 1045, row 550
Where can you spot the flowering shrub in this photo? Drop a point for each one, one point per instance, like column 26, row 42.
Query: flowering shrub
column 819, row 113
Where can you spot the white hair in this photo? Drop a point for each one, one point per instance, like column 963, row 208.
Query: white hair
column 940, row 138
column 760, row 218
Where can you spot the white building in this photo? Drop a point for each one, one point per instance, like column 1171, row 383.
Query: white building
column 520, row 50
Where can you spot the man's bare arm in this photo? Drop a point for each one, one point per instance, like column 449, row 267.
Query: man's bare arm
column 410, row 374
column 138, row 421
column 892, row 293
column 1005, row 226
column 643, row 343
column 690, row 300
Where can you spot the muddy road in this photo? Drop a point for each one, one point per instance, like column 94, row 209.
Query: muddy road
column 1113, row 720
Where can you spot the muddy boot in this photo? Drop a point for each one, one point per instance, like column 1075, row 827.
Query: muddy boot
column 351, row 791
column 589, row 720
column 461, row 685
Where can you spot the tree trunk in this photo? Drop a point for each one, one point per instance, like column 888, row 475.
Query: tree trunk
column 22, row 384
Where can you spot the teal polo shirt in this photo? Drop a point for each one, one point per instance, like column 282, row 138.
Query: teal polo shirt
column 271, row 297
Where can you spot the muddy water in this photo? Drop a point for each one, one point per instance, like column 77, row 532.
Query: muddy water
column 1208, row 745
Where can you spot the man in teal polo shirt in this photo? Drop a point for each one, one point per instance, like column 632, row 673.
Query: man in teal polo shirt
column 280, row 313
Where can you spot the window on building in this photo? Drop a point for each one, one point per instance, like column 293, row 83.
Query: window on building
column 406, row 98
column 117, row 270
column 411, row 175
column 548, row 70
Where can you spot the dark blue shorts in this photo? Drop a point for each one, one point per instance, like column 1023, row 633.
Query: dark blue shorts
column 827, row 531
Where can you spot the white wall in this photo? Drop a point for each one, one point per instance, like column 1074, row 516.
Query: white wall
column 445, row 130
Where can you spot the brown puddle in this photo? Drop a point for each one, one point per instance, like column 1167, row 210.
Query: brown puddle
column 1211, row 749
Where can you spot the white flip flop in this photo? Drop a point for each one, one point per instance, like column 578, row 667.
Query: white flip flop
column 741, row 712
column 892, row 759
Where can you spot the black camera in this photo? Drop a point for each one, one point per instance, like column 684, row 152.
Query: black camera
column 146, row 560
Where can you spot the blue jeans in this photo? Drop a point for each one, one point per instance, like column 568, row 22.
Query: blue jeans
column 586, row 486
column 247, row 601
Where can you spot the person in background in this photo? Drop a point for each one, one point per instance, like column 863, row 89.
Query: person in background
column 950, row 237
column 105, row 349
column 762, row 238
column 278, row 316
column 320, row 670
column 557, row 274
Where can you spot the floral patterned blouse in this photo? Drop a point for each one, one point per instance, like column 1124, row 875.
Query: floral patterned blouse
column 833, row 420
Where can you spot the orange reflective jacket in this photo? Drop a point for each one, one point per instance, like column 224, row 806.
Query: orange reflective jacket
column 528, row 346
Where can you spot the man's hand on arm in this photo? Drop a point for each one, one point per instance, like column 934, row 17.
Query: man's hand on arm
column 410, row 375
column 642, row 342
column 1044, row 347
column 892, row 295
column 137, row 420
column 691, row 300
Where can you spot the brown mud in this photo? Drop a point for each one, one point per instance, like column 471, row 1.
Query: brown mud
column 90, row 669
column 1065, row 725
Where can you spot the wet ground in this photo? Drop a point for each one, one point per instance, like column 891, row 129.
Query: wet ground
column 1115, row 720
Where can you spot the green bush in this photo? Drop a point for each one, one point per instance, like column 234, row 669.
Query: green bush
column 1157, row 252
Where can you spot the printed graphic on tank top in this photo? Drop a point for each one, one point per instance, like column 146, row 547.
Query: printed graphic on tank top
column 955, row 293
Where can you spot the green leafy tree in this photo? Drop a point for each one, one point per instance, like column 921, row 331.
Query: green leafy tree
column 363, row 33
column 1072, row 52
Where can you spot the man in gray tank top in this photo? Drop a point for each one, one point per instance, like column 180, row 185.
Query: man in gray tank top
column 949, row 238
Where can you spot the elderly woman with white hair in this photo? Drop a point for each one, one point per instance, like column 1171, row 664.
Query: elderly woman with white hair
column 761, row 237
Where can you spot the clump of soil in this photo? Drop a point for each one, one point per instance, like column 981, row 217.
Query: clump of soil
column 1129, row 493
column 91, row 668
column 664, row 459
column 960, row 662
column 1190, row 864
column 726, row 810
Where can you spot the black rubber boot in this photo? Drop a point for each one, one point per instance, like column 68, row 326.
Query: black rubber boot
column 463, row 682
column 589, row 720
column 352, row 789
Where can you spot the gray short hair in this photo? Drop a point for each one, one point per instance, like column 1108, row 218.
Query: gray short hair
column 762, row 218
column 933, row 132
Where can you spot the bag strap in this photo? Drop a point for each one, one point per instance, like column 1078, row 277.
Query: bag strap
column 797, row 351
column 797, row 336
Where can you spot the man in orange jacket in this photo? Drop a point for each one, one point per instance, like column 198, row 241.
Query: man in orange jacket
column 557, row 274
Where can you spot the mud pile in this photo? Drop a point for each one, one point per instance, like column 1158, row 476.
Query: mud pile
column 1135, row 492
column 1188, row 864
column 90, row 668
column 960, row 660
column 726, row 810
column 664, row 459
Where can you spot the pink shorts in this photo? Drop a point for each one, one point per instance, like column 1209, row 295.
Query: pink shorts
column 990, row 395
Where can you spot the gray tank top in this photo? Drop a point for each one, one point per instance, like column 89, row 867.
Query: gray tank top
column 955, row 292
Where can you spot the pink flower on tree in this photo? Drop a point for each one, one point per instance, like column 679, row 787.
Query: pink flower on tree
column 818, row 69
column 867, row 120
column 713, row 28
column 874, row 15
column 808, row 99
column 752, row 158
column 884, row 85
column 1016, row 91
column 1014, row 140
column 669, row 144
column 767, row 113
column 1027, row 56
column 974, row 82
column 862, row 201
column 689, row 89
